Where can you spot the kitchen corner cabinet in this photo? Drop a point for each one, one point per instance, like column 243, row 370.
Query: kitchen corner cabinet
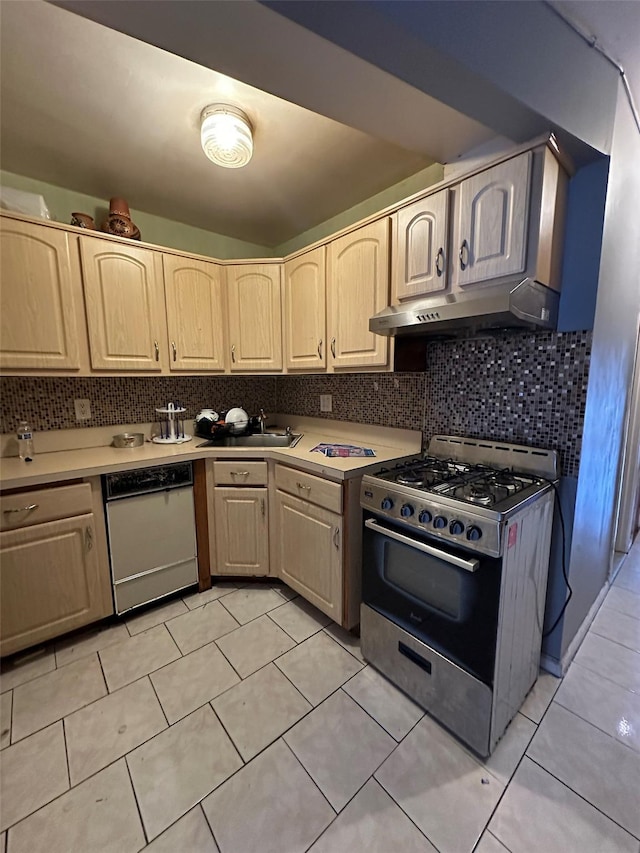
column 54, row 574
column 358, row 288
column 305, row 318
column 195, row 314
column 491, row 222
column 241, row 518
column 41, row 305
column 255, row 317
column 420, row 250
column 123, row 287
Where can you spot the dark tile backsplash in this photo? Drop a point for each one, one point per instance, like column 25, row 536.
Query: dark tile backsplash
column 526, row 388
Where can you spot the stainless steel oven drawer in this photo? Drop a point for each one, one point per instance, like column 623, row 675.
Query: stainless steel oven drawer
column 455, row 698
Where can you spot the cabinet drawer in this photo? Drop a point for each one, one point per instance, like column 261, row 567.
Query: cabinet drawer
column 24, row 509
column 240, row 473
column 310, row 488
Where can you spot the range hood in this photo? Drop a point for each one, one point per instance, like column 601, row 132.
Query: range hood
column 524, row 304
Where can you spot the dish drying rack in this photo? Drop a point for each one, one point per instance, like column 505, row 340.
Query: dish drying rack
column 171, row 425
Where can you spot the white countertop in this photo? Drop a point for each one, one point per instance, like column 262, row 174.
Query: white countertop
column 67, row 464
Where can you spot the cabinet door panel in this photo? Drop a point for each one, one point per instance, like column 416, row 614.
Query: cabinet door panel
column 195, row 314
column 490, row 238
column 50, row 581
column 358, row 288
column 125, row 311
column 305, row 311
column 255, row 317
column 309, row 552
column 242, row 525
column 39, row 297
column 420, row 231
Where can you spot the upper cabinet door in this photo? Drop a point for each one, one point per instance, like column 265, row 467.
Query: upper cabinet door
column 358, row 287
column 490, row 236
column 125, row 311
column 40, row 299
column 255, row 317
column 195, row 314
column 305, row 319
column 420, row 247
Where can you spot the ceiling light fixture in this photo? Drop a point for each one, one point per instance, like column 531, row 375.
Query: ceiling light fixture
column 225, row 135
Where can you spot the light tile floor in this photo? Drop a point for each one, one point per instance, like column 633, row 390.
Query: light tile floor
column 241, row 721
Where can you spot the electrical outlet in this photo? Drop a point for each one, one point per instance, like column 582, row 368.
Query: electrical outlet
column 326, row 403
column 83, row 409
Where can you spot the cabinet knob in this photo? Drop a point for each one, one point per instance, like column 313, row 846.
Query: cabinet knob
column 28, row 508
column 464, row 255
column 302, row 486
column 333, row 347
column 174, row 350
column 156, row 346
column 440, row 261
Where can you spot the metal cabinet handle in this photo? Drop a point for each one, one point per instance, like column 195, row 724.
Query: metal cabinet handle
column 320, row 348
column 263, row 507
column 464, row 255
column 302, row 486
column 239, row 473
column 157, row 349
column 233, row 353
column 88, row 538
column 460, row 562
column 333, row 347
column 440, row 261
column 174, row 350
column 29, row 508
column 336, row 537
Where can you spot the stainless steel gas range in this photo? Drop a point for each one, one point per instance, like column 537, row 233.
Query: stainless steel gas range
column 456, row 553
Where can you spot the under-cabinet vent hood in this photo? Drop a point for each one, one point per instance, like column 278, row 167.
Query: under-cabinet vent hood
column 525, row 304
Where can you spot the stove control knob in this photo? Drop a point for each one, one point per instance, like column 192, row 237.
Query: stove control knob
column 474, row 533
column 456, row 527
column 407, row 511
column 387, row 503
column 439, row 522
column 425, row 516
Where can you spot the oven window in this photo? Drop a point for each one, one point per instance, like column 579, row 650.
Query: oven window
column 428, row 580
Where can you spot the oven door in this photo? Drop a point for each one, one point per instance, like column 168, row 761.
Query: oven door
column 444, row 596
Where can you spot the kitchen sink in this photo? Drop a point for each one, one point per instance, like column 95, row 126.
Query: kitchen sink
column 267, row 439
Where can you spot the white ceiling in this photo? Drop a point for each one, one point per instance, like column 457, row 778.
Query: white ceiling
column 94, row 110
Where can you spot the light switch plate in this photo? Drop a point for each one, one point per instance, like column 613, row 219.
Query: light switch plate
column 326, row 403
column 83, row 409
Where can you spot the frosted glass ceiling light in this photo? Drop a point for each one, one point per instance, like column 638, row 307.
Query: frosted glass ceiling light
column 225, row 134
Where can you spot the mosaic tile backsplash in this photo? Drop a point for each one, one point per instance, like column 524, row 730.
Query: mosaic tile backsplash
column 527, row 388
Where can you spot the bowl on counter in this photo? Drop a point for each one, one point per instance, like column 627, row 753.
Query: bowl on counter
column 128, row 439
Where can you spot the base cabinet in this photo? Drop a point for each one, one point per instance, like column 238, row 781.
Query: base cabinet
column 53, row 576
column 242, row 531
column 309, row 552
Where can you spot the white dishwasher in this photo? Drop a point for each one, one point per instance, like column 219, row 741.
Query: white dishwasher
column 152, row 533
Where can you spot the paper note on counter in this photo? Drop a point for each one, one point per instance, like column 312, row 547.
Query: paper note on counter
column 342, row 450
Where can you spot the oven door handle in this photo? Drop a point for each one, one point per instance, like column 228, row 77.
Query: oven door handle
column 460, row 562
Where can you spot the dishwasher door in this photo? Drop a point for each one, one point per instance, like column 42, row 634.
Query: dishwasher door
column 152, row 542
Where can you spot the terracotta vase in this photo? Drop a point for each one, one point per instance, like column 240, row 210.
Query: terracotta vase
column 82, row 220
column 119, row 220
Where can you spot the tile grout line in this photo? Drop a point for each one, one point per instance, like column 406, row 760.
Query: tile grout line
column 135, row 799
column 583, row 798
column 206, row 820
column 155, row 693
column 596, row 727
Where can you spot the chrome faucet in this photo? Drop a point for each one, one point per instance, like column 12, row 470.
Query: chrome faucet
column 263, row 418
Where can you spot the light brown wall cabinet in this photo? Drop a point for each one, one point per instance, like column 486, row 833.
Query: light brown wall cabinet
column 490, row 232
column 358, row 287
column 255, row 317
column 305, row 315
column 54, row 573
column 123, row 289
column 195, row 303
column 420, row 233
column 41, row 306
